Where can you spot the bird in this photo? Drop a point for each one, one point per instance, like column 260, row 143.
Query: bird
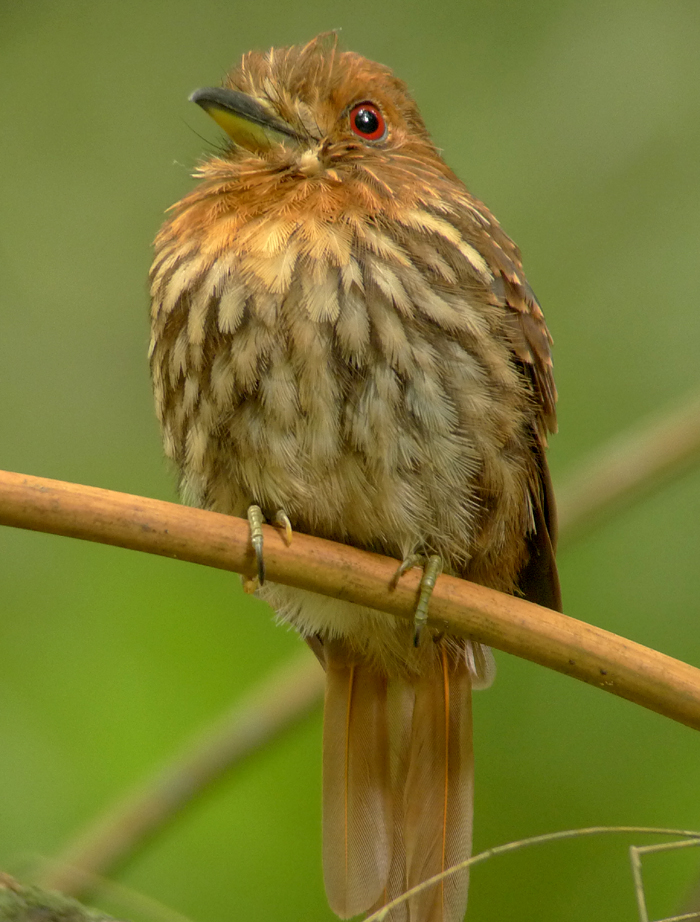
column 343, row 341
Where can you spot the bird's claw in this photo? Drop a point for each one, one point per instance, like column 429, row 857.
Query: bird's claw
column 282, row 519
column 431, row 571
column 255, row 522
column 413, row 560
column 432, row 568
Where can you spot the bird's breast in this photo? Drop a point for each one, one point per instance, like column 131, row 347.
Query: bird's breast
column 353, row 379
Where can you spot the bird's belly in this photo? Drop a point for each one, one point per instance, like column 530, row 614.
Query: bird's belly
column 378, row 637
column 382, row 640
column 396, row 490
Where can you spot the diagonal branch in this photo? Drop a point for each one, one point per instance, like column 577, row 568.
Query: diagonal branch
column 639, row 458
column 275, row 704
column 585, row 652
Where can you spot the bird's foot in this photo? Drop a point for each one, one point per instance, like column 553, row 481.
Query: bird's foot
column 282, row 520
column 255, row 523
column 432, row 568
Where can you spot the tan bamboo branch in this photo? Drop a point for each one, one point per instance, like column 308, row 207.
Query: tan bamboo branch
column 585, row 652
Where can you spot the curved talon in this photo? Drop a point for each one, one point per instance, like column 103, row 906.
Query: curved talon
column 413, row 560
column 282, row 519
column 255, row 521
column 433, row 569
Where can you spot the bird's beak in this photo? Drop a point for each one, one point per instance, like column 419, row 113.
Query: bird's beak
column 244, row 119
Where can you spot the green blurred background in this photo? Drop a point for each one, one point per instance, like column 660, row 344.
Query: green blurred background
column 579, row 125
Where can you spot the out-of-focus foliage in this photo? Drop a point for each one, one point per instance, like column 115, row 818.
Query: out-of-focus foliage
column 579, row 125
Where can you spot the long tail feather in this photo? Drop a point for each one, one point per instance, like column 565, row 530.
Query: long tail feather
column 400, row 705
column 439, row 789
column 357, row 809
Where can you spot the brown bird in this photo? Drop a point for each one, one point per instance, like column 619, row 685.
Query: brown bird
column 343, row 340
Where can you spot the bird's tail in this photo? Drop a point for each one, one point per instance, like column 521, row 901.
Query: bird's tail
column 397, row 786
column 438, row 791
column 357, row 801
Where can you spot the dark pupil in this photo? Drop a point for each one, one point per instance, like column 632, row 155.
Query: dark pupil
column 366, row 121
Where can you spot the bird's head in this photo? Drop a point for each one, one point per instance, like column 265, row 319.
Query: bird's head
column 315, row 112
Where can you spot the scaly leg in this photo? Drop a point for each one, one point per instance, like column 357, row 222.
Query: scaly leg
column 432, row 568
column 255, row 521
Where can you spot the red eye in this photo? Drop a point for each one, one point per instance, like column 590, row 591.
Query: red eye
column 368, row 122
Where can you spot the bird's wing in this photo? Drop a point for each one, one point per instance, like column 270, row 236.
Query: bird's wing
column 531, row 343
